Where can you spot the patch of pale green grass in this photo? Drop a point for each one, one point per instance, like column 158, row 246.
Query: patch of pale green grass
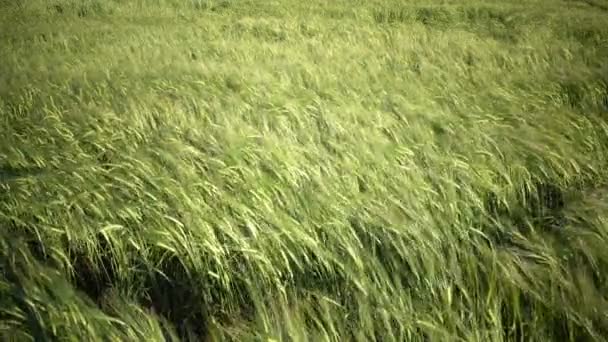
column 303, row 171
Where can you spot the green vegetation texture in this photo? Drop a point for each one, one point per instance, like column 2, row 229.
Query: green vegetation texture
column 314, row 170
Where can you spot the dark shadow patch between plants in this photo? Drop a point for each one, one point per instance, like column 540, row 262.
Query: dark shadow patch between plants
column 188, row 298
column 10, row 173
column 93, row 277
column 173, row 295
column 541, row 206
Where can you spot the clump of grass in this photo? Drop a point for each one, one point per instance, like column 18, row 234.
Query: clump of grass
column 251, row 170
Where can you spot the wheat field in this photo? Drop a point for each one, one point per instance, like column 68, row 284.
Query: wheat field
column 348, row 170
